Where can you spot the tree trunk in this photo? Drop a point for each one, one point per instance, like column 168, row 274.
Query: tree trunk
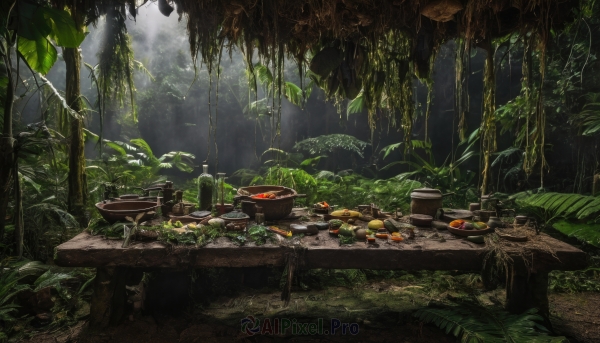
column 77, row 185
column 6, row 144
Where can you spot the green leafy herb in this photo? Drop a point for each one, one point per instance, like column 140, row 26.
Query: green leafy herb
column 259, row 234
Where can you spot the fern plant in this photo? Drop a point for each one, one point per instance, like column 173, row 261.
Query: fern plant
column 574, row 215
column 476, row 324
column 555, row 205
column 589, row 118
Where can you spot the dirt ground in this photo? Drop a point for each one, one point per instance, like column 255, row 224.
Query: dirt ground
column 382, row 310
column 576, row 316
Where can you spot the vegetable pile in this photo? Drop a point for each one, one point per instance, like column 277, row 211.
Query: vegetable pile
column 467, row 225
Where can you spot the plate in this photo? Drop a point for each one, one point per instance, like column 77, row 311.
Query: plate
column 466, row 233
column 200, row 214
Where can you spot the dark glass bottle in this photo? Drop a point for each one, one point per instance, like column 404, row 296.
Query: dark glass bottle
column 206, row 184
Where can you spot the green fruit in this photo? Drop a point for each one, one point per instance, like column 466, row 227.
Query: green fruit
column 346, row 230
column 480, row 226
column 476, row 239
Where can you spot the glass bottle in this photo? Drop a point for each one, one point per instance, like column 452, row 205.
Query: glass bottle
column 221, row 188
column 206, row 184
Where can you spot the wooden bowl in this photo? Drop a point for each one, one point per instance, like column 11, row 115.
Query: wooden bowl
column 466, row 233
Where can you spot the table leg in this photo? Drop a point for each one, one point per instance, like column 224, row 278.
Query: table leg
column 108, row 299
column 525, row 291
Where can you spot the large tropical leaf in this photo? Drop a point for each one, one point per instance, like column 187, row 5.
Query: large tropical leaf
column 39, row 54
column 50, row 279
column 63, row 29
column 38, row 26
column 589, row 233
column 264, row 76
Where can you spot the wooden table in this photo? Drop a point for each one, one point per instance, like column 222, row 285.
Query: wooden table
column 527, row 287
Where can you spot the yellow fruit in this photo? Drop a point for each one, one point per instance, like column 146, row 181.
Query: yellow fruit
column 375, row 224
column 341, row 213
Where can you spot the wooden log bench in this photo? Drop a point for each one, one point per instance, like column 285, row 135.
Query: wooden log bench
column 526, row 287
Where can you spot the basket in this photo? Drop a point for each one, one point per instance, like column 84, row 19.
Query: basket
column 274, row 209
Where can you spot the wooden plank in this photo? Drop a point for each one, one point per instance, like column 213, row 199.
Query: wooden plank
column 320, row 251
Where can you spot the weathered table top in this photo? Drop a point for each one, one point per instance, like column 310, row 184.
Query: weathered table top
column 319, row 251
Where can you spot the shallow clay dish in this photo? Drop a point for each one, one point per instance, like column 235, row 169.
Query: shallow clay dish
column 420, row 220
column 466, row 233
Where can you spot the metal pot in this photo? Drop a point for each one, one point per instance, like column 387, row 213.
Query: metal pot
column 426, row 201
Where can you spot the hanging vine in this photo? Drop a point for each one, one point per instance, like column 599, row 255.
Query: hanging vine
column 488, row 121
column 116, row 63
column 461, row 85
column 535, row 122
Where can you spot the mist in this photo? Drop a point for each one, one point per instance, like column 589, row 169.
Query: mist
column 173, row 107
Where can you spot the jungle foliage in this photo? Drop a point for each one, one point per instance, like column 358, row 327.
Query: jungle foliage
column 356, row 75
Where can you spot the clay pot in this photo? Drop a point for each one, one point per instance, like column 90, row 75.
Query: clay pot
column 425, row 201
column 495, row 222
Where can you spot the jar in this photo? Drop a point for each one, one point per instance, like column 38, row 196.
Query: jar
column 521, row 220
column 206, row 184
column 475, row 206
column 425, row 201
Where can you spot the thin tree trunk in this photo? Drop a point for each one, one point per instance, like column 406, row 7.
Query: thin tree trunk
column 19, row 230
column 6, row 143
column 77, row 185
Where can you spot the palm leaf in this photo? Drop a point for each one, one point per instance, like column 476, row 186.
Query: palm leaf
column 293, row 93
column 356, row 105
column 142, row 144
